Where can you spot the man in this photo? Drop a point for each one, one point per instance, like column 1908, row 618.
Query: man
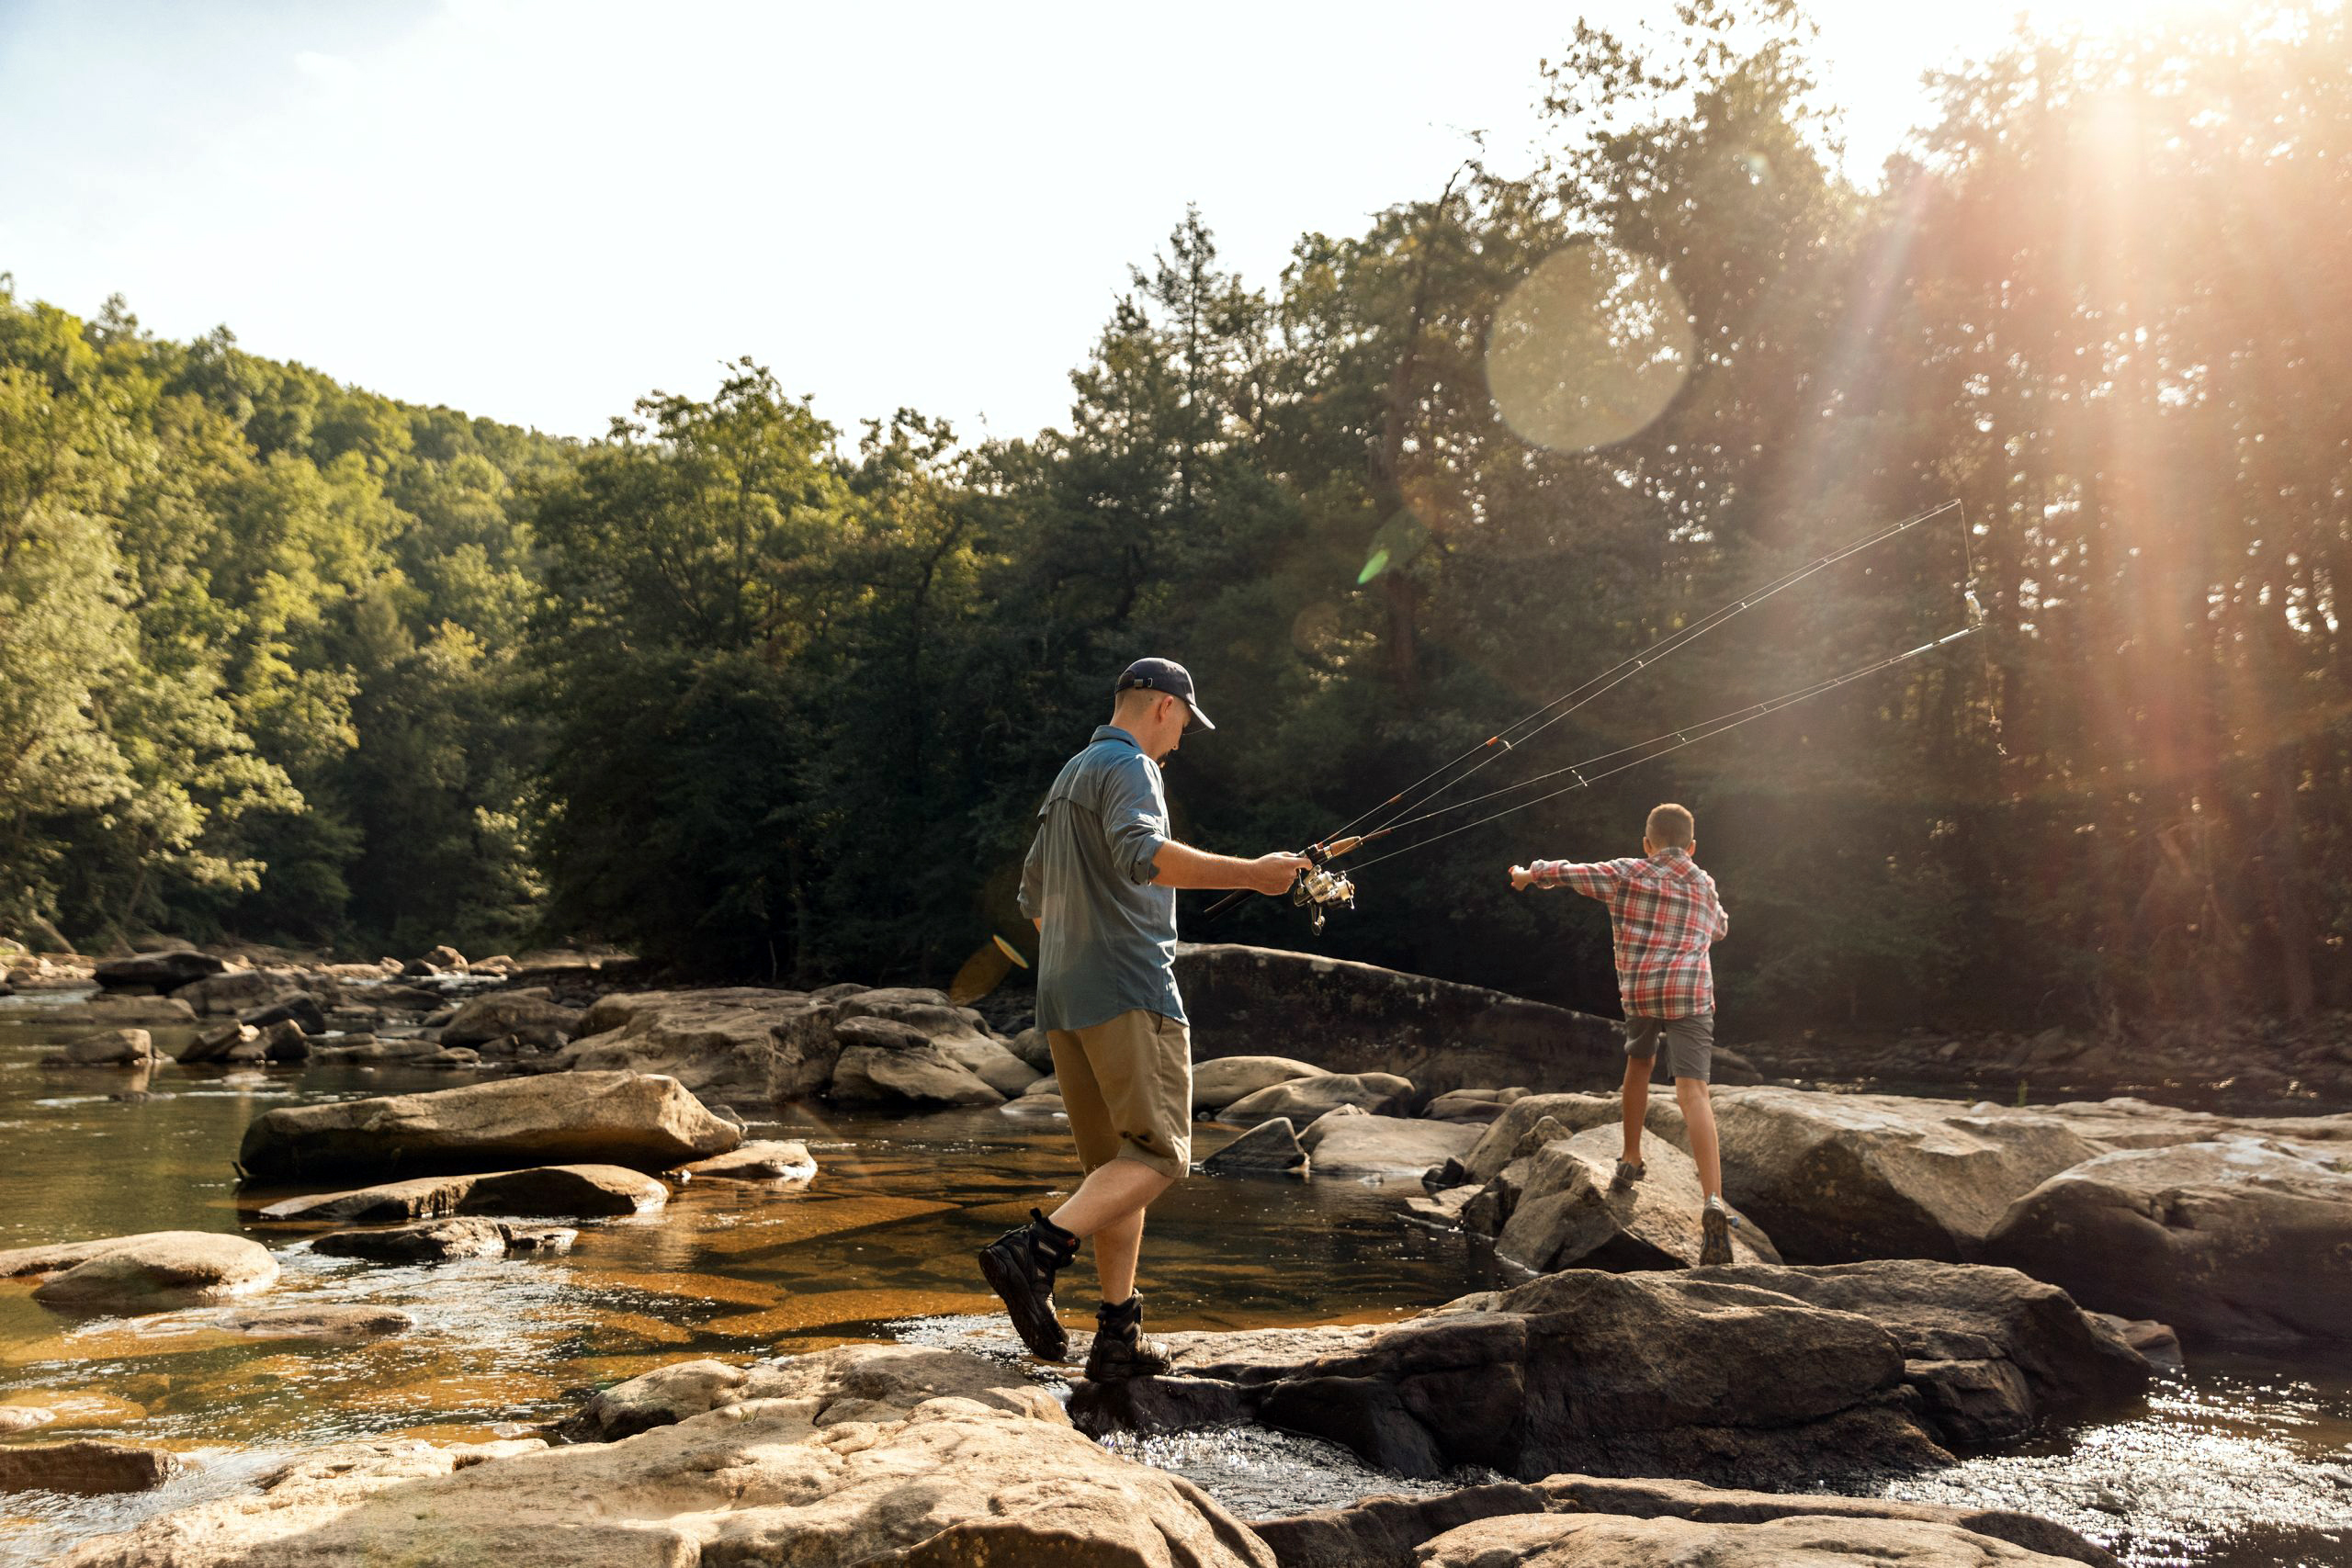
column 1100, row 885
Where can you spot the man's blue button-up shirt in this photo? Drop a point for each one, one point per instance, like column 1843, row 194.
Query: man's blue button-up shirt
column 1109, row 940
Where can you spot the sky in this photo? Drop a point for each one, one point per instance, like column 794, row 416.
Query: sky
column 542, row 211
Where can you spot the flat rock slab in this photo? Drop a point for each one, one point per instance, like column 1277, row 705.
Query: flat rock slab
column 1564, row 1212
column 818, row 1477
column 2232, row 1239
column 1304, row 1099
column 852, row 1382
column 146, row 1273
column 85, row 1468
column 766, row 1159
column 547, row 1191
column 161, row 970
column 338, row 1325
column 617, row 1118
column 1590, row 1540
column 1388, row 1532
column 1383, row 1145
column 440, row 1241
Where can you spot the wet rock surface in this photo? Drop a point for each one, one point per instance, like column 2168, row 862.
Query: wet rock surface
column 84, row 1467
column 1588, row 1540
column 767, row 1160
column 439, row 1241
column 622, row 1118
column 1271, row 1148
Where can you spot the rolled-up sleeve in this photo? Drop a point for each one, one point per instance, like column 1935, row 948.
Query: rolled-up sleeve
column 1134, row 819
column 1595, row 880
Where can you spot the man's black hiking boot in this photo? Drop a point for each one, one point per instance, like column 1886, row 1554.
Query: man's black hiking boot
column 1020, row 1266
column 1119, row 1348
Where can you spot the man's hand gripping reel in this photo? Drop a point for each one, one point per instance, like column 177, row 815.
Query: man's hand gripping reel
column 1316, row 888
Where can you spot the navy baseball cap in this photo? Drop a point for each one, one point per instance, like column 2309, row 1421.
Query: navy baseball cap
column 1165, row 676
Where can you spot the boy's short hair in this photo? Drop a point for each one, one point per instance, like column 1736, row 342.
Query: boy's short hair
column 1670, row 827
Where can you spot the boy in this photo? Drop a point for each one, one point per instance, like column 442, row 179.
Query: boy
column 1665, row 916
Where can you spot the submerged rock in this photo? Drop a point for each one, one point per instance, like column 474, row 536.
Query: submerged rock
column 546, row 1192
column 820, row 1475
column 334, row 1324
column 439, row 1241
column 2234, row 1239
column 766, row 1159
column 84, row 1468
column 632, row 1118
column 1304, row 1099
column 110, row 1048
column 145, row 1272
column 1271, row 1148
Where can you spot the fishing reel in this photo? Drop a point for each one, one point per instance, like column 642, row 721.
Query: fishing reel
column 1320, row 886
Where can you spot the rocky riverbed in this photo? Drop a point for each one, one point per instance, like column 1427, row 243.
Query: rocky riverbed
column 444, row 1251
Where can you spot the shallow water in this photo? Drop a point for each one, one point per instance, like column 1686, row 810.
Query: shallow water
column 2226, row 1466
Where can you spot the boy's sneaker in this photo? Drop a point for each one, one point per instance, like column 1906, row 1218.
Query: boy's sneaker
column 1714, row 1233
column 1020, row 1267
column 1628, row 1172
column 1121, row 1351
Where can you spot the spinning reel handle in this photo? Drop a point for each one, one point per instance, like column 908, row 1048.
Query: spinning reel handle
column 1315, row 853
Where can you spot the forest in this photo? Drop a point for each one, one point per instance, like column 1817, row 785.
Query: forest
column 759, row 697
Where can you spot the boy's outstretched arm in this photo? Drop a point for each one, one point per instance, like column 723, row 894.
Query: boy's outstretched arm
column 1594, row 881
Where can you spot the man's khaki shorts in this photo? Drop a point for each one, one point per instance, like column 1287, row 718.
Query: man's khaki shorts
column 1689, row 1042
column 1127, row 1087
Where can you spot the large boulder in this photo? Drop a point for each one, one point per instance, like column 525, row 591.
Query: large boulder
column 633, row 1119
column 1357, row 1018
column 1992, row 1354
column 531, row 1017
column 917, row 1073
column 162, row 971
column 1382, row 1145
column 1221, row 1080
column 1304, row 1099
column 1570, row 1371
column 148, row 1272
column 1815, row 1541
column 1389, row 1532
column 547, row 1191
column 1508, row 1136
column 1565, row 1214
column 821, row 1478
column 1718, row 1375
column 1836, row 1177
column 301, row 1009
column 737, row 1043
column 2234, row 1239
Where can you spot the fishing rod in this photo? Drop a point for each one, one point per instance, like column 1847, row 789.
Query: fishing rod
column 1503, row 740
column 1321, row 886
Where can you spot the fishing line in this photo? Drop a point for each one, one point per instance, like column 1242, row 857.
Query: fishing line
column 1504, row 739
column 1589, row 771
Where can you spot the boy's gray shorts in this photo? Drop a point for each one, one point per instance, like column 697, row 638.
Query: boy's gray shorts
column 1689, row 1042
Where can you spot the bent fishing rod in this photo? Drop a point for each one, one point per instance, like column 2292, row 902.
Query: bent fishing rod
column 1320, row 885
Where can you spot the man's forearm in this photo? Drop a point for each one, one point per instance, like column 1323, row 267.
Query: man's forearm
column 1180, row 866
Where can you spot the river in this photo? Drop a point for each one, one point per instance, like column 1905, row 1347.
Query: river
column 2243, row 1460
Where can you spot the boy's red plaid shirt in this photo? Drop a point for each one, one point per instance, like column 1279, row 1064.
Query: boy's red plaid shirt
column 1666, row 914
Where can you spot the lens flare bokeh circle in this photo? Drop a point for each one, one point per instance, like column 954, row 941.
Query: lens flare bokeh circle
column 1589, row 349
